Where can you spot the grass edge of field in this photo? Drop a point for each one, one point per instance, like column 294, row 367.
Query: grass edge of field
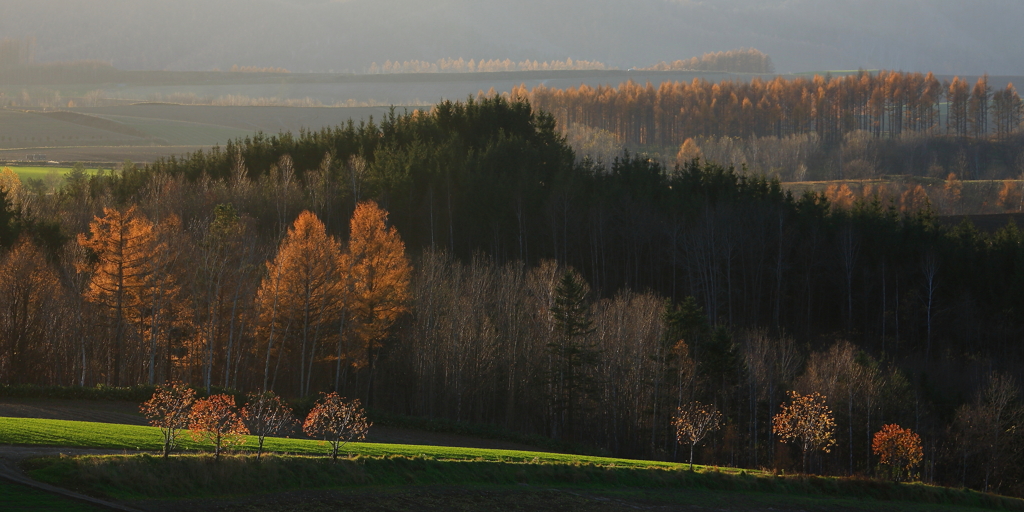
column 570, row 468
column 113, row 436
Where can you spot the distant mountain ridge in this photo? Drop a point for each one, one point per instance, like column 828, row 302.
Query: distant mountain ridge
column 943, row 36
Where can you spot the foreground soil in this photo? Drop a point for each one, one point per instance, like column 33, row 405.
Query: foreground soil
column 526, row 498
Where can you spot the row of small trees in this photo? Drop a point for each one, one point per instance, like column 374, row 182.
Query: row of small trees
column 809, row 421
column 216, row 418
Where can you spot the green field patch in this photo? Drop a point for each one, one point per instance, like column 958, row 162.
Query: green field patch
column 302, row 464
column 82, row 434
column 43, row 172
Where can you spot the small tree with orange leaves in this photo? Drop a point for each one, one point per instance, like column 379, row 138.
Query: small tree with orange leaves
column 807, row 420
column 695, row 421
column 266, row 415
column 168, row 410
column 337, row 421
column 215, row 419
column 898, row 448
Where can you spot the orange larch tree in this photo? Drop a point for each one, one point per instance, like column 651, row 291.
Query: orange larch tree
column 379, row 274
column 122, row 244
column 301, row 295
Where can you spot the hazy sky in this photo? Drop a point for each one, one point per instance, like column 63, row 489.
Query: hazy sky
column 945, row 36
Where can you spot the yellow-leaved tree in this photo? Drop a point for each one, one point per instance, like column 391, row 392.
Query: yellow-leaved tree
column 808, row 420
column 379, row 274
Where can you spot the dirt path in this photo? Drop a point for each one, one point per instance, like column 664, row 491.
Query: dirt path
column 10, row 456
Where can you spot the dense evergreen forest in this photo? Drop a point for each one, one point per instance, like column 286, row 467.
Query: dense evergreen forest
column 546, row 295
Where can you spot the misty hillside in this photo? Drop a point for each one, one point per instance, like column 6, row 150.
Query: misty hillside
column 944, row 36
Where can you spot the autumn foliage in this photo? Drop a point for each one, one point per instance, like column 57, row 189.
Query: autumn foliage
column 337, row 421
column 216, row 420
column 122, row 243
column 379, row 275
column 266, row 415
column 808, row 420
column 884, row 104
column 898, row 448
column 302, row 291
column 169, row 410
column 695, row 421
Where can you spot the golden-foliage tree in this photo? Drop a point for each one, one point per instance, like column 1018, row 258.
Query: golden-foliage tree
column 808, row 420
column 687, row 152
column 1010, row 196
column 336, row 421
column 123, row 245
column 695, row 421
column 215, row 419
column 168, row 410
column 301, row 295
column 898, row 448
column 379, row 274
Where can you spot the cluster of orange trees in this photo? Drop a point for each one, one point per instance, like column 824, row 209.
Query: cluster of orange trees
column 809, row 421
column 157, row 304
column 217, row 419
column 886, row 104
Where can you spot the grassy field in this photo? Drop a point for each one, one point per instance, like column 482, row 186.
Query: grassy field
column 43, row 172
column 301, row 465
column 81, row 434
column 26, row 499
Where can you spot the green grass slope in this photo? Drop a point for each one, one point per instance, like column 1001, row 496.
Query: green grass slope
column 81, row 434
column 297, row 464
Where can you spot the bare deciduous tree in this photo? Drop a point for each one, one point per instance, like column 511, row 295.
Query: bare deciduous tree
column 266, row 415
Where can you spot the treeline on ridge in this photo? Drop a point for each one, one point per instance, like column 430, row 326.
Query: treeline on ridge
column 744, row 60
column 695, row 282
column 884, row 104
